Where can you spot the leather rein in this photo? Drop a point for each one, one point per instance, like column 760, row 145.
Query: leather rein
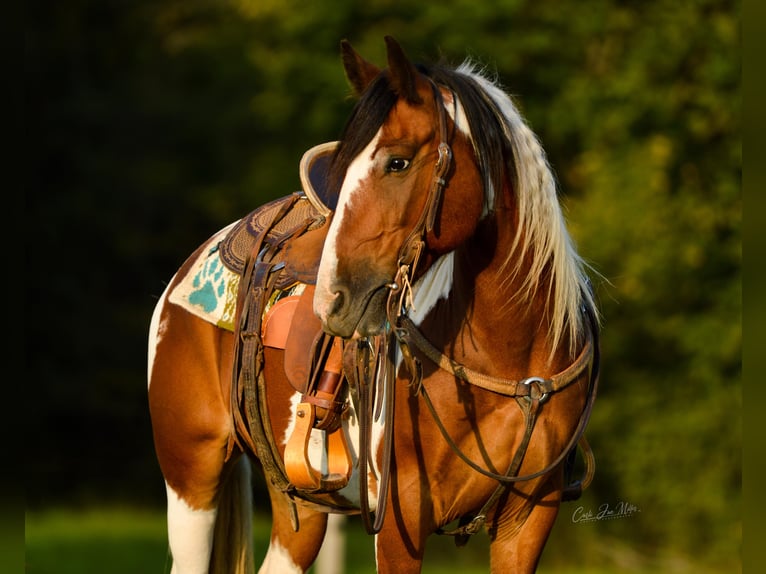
column 376, row 363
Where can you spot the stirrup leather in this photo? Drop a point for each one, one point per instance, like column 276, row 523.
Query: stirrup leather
column 321, row 411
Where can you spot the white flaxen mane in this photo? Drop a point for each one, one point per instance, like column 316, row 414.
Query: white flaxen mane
column 542, row 230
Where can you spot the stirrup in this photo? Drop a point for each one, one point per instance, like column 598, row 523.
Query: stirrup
column 298, row 467
column 322, row 394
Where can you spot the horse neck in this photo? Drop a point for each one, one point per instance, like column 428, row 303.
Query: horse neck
column 496, row 328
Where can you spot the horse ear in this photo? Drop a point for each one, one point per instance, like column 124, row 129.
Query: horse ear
column 360, row 72
column 403, row 74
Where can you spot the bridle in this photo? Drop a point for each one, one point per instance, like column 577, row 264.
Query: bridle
column 375, row 367
column 400, row 290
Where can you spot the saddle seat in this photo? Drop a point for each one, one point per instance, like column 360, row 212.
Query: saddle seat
column 276, row 249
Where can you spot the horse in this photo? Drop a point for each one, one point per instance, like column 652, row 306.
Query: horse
column 468, row 333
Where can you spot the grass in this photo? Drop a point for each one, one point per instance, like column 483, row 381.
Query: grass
column 129, row 541
column 125, row 541
column 117, row 541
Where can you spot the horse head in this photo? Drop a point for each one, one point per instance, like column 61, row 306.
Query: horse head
column 410, row 190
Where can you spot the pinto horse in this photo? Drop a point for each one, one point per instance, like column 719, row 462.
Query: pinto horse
column 447, row 272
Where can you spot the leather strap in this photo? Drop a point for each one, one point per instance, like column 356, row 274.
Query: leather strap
column 582, row 423
column 248, row 351
column 409, row 254
column 249, row 404
column 373, row 379
column 411, row 335
column 470, row 526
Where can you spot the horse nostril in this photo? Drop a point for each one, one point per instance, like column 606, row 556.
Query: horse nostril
column 330, row 302
column 338, row 301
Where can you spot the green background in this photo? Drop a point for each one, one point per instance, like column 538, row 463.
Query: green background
column 154, row 124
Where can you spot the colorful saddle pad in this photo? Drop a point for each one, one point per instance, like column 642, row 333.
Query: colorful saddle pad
column 209, row 288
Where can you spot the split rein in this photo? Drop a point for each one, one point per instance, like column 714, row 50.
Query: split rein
column 529, row 393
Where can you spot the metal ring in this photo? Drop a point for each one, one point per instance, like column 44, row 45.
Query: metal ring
column 538, row 381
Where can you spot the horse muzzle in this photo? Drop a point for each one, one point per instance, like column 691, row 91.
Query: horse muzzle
column 348, row 314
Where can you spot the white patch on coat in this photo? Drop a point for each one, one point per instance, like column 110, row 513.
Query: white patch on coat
column 190, row 534
column 435, row 284
column 155, row 334
column 278, row 561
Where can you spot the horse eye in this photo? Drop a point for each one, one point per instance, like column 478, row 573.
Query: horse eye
column 397, row 164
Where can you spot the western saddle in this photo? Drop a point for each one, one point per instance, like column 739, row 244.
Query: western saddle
column 276, row 251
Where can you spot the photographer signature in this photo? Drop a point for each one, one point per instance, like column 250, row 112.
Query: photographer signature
column 604, row 512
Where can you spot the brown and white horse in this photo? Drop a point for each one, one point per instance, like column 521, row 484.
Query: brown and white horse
column 449, row 239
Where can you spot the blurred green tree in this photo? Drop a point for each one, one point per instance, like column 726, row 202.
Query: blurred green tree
column 156, row 123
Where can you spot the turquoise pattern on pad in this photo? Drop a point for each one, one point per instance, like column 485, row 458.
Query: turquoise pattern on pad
column 208, row 286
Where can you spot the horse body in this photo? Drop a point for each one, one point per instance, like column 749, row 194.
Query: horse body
column 494, row 286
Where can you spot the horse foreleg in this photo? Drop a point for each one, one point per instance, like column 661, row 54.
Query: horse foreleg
column 401, row 543
column 517, row 542
column 292, row 552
